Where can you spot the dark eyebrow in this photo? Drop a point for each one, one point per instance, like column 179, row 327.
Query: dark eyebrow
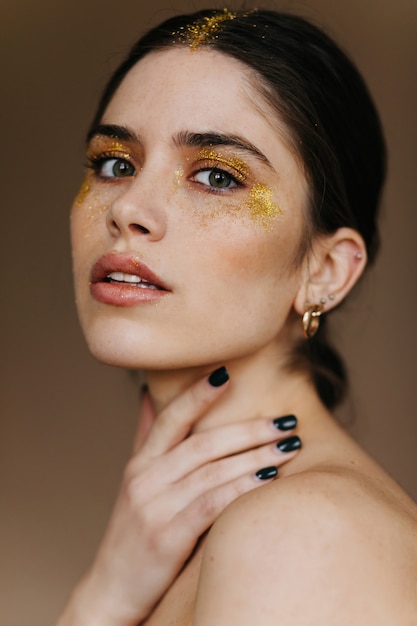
column 113, row 131
column 184, row 138
column 205, row 140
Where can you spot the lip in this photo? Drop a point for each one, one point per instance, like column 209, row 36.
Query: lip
column 125, row 294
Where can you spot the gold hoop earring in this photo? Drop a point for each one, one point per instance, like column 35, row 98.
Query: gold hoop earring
column 311, row 320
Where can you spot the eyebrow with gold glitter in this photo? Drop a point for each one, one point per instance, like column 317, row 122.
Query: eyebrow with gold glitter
column 183, row 139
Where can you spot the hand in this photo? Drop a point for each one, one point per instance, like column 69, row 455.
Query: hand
column 173, row 489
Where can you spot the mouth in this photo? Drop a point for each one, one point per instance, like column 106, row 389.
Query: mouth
column 120, row 278
column 123, row 280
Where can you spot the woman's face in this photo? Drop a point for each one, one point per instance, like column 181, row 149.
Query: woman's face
column 188, row 222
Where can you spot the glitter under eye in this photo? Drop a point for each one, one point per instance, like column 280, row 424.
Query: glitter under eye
column 83, row 192
column 261, row 206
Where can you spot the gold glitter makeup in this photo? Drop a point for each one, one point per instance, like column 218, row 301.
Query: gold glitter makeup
column 98, row 203
column 120, row 149
column 204, row 30
column 116, row 146
column 83, row 192
column 179, row 174
column 240, row 168
column 101, row 148
column 261, row 206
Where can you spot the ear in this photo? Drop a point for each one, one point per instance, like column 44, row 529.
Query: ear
column 332, row 268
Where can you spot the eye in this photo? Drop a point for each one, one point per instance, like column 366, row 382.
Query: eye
column 110, row 166
column 215, row 178
column 115, row 168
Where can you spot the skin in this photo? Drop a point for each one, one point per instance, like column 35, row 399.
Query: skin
column 235, row 298
column 186, row 216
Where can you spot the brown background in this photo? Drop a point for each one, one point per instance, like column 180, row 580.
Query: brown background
column 66, row 421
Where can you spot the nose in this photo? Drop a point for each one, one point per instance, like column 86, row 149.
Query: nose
column 139, row 210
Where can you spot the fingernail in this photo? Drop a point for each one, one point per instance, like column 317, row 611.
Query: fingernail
column 288, row 422
column 290, row 444
column 267, row 472
column 218, row 377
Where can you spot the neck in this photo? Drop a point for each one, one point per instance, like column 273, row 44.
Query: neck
column 260, row 385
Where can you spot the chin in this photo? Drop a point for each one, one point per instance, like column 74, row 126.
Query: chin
column 147, row 352
column 122, row 349
column 128, row 346
column 149, row 346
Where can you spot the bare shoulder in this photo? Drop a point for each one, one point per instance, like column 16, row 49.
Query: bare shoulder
column 328, row 543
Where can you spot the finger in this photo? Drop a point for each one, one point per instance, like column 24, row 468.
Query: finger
column 146, row 418
column 207, row 446
column 178, row 480
column 173, row 424
column 215, row 475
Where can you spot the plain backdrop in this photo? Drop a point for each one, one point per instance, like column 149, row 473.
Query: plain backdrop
column 67, row 421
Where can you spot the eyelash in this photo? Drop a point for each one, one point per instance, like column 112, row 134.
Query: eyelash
column 236, row 183
column 97, row 162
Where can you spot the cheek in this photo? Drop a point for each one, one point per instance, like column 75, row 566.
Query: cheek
column 240, row 241
column 90, row 204
column 257, row 209
column 261, row 264
column 88, row 219
column 240, row 265
column 88, row 225
column 248, row 290
column 262, row 207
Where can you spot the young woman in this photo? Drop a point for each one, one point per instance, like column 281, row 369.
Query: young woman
column 235, row 166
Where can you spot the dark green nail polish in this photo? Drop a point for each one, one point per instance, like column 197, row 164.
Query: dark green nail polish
column 218, row 377
column 288, row 422
column 267, row 473
column 290, row 444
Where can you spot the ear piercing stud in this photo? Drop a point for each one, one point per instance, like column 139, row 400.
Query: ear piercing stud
column 331, row 296
column 323, row 300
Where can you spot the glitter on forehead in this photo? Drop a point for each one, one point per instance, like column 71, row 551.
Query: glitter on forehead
column 205, row 29
column 232, row 161
column 261, row 206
